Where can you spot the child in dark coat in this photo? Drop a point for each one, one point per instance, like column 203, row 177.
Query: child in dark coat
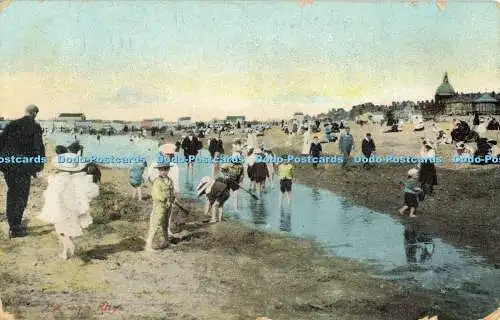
column 315, row 150
column 367, row 148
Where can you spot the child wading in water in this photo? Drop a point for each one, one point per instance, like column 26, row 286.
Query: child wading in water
column 163, row 199
column 285, row 172
column 67, row 199
column 411, row 193
column 217, row 193
column 136, row 179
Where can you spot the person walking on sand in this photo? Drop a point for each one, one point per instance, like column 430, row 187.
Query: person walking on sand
column 315, row 150
column 346, row 145
column 428, row 174
column 285, row 172
column 67, row 200
column 307, row 141
column 368, row 148
column 411, row 192
column 136, row 180
column 21, row 137
column 163, row 199
column 476, row 122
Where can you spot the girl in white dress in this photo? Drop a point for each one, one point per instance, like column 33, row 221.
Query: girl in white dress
column 67, row 200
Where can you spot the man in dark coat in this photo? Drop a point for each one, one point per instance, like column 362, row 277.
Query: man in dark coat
column 368, row 148
column 191, row 146
column 21, row 138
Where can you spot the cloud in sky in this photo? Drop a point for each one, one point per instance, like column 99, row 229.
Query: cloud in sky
column 128, row 96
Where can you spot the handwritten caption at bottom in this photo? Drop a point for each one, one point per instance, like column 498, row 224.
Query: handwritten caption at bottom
column 103, row 308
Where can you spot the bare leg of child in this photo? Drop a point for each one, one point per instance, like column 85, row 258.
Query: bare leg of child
column 215, row 209
column 207, row 207
column 214, row 171
column 71, row 247
column 289, row 196
column 412, row 212
column 402, row 210
column 139, row 193
column 150, row 238
column 134, row 191
column 169, row 231
column 221, row 213
column 153, row 226
column 235, row 195
column 64, row 245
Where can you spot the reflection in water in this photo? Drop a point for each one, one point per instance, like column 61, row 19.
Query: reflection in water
column 315, row 196
column 189, row 185
column 345, row 205
column 417, row 243
column 259, row 214
column 285, row 220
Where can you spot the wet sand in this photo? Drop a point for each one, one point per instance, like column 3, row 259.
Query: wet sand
column 224, row 271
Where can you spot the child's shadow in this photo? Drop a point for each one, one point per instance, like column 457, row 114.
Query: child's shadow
column 101, row 252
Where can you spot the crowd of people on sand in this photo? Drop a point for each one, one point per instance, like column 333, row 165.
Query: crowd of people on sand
column 73, row 184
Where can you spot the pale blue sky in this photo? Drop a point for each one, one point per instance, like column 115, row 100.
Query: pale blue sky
column 372, row 46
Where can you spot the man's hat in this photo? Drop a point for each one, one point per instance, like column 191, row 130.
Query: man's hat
column 32, row 109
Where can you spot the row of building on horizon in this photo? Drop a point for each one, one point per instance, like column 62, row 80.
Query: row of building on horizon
column 447, row 102
column 79, row 122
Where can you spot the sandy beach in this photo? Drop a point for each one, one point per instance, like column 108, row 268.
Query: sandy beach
column 225, row 271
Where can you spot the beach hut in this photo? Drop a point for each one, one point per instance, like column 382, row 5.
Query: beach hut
column 185, row 122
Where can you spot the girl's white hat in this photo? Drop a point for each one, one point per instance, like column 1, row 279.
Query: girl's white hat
column 168, row 148
column 257, row 151
column 413, row 173
column 204, row 186
column 69, row 162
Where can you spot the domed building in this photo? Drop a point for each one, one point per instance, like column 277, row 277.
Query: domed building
column 444, row 91
column 449, row 102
